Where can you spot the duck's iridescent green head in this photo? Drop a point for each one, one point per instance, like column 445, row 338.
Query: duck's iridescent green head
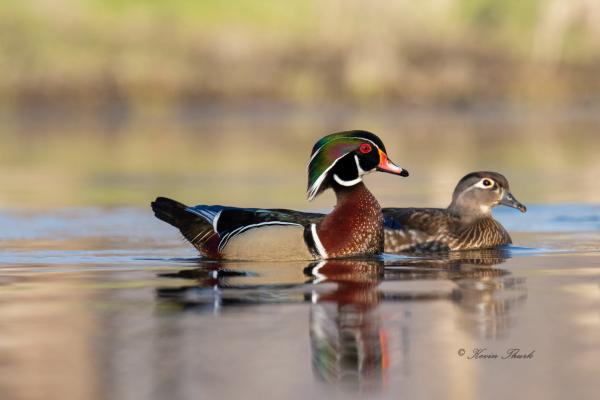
column 343, row 158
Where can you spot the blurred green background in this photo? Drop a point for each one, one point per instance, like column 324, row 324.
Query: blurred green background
column 112, row 102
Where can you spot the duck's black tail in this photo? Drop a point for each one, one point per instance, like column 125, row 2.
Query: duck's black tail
column 171, row 211
column 191, row 225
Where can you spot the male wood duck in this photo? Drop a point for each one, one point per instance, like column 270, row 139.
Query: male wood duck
column 466, row 224
column 354, row 227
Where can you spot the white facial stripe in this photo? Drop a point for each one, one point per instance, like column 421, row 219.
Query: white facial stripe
column 315, row 154
column 320, row 248
column 361, row 172
column 346, row 183
column 353, row 182
column 315, row 186
column 350, row 137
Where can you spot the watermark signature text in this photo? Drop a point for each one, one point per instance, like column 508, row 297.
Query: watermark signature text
column 482, row 353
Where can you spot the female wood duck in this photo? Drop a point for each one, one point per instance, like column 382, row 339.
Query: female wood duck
column 354, row 227
column 466, row 224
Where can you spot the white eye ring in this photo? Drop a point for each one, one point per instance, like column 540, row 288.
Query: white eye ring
column 485, row 183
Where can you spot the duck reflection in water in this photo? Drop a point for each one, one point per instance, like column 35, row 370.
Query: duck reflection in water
column 354, row 340
column 349, row 341
column 486, row 295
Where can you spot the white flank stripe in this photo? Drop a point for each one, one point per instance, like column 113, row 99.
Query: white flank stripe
column 244, row 228
column 320, row 249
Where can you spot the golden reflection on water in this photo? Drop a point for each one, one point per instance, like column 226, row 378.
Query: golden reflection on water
column 48, row 346
column 356, row 327
column 261, row 160
column 93, row 306
column 353, row 343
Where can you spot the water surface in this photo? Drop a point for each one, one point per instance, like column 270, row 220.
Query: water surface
column 100, row 303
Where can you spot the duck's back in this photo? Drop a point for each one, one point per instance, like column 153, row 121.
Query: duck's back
column 436, row 229
column 415, row 229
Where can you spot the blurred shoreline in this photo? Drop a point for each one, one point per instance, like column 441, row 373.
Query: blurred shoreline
column 114, row 116
column 112, row 102
column 449, row 53
column 255, row 154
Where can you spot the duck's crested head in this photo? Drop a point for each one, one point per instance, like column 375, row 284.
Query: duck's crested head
column 478, row 192
column 344, row 157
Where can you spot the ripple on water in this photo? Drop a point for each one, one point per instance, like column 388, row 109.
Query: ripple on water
column 122, row 289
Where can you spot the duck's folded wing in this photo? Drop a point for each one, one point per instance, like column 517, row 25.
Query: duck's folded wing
column 210, row 227
column 426, row 220
column 228, row 222
column 415, row 229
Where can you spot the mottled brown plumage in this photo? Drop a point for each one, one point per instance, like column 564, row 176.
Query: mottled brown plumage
column 435, row 229
column 466, row 224
column 355, row 226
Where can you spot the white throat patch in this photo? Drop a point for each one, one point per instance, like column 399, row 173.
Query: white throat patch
column 346, row 183
column 353, row 182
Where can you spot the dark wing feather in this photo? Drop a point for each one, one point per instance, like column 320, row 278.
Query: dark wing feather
column 426, row 220
column 196, row 225
column 416, row 229
column 209, row 228
column 232, row 221
column 232, row 218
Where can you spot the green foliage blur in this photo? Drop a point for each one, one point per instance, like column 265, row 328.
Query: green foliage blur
column 110, row 102
column 303, row 51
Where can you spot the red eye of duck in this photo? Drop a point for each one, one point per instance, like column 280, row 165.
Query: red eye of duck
column 365, row 148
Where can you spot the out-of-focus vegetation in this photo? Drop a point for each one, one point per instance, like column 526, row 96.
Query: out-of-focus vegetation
column 116, row 101
column 546, row 159
column 164, row 53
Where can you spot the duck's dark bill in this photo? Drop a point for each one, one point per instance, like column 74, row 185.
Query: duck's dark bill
column 509, row 200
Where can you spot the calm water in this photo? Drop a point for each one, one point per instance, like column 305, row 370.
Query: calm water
column 109, row 303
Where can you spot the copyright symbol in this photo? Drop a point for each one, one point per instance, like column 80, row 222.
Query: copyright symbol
column 461, row 352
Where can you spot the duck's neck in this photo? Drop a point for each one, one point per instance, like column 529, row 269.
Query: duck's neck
column 355, row 226
column 469, row 213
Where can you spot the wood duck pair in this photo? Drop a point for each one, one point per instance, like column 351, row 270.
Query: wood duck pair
column 355, row 227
